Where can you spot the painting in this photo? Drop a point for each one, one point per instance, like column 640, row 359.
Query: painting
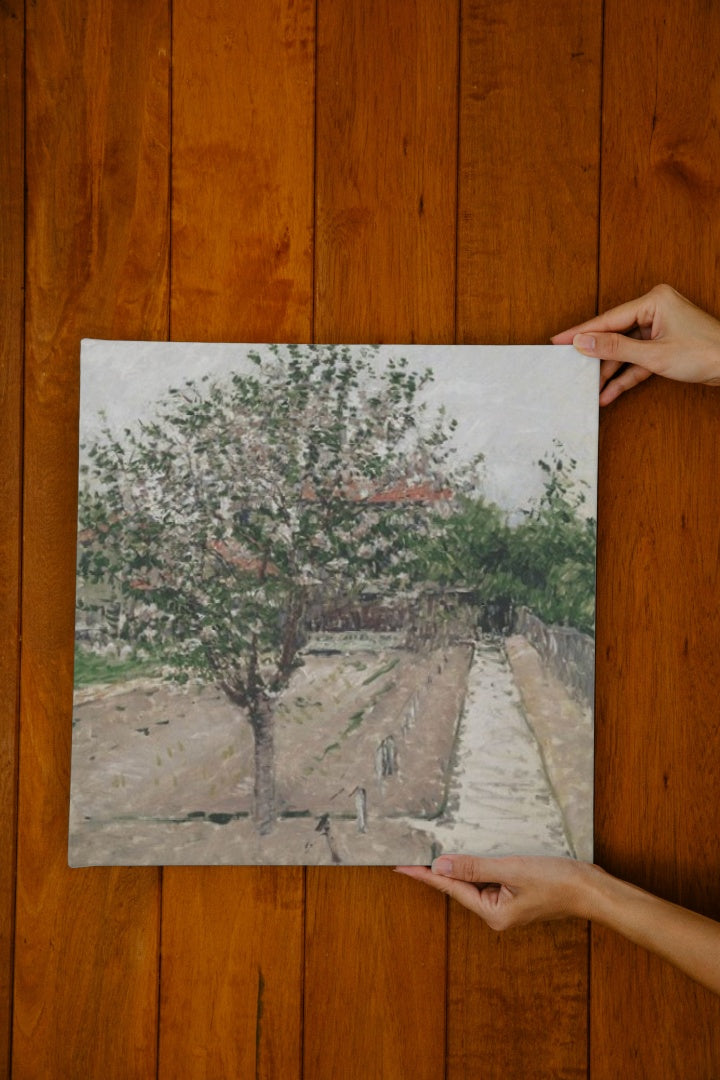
column 335, row 603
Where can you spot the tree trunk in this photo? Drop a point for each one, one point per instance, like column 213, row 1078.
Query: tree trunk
column 263, row 726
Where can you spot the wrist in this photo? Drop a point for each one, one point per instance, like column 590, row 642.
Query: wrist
column 612, row 902
column 597, row 893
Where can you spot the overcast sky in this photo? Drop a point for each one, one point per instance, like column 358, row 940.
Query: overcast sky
column 510, row 401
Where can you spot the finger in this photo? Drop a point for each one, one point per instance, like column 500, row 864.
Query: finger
column 462, row 891
column 628, row 378
column 493, row 906
column 422, row 873
column 565, row 338
column 640, row 311
column 469, row 868
column 608, row 368
column 621, row 349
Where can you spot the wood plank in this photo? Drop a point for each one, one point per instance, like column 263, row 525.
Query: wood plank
column 657, row 788
column 97, row 232
column 386, row 159
column 659, row 672
column 529, row 152
column 385, row 262
column 12, row 242
column 527, row 243
column 374, row 976
column 231, row 995
column 243, row 86
column 517, row 1002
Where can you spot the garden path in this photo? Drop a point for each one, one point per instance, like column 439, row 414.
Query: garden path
column 500, row 800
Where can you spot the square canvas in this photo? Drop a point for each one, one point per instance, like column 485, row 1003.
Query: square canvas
column 335, row 603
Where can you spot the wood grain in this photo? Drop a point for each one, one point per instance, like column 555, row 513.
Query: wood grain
column 529, row 157
column 97, row 230
column 12, row 19
column 384, row 271
column 243, row 119
column 527, row 244
column 231, row 1001
column 660, row 150
column 381, row 264
column 658, row 757
column 386, row 171
column 243, row 107
column 517, row 1002
column 374, row 976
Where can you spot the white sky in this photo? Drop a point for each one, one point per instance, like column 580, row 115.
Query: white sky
column 510, row 401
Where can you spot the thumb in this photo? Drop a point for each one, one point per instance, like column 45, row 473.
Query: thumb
column 465, row 868
column 621, row 349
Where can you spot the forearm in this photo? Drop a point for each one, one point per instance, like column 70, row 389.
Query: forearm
column 685, row 939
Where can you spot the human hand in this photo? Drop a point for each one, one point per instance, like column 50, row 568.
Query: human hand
column 517, row 890
column 660, row 333
column 514, row 890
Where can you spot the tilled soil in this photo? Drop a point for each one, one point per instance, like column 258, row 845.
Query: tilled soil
column 163, row 774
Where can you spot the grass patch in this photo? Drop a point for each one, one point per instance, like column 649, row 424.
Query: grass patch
column 381, row 671
column 91, row 669
column 355, row 721
column 332, row 746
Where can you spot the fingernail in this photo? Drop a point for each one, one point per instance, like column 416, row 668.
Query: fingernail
column 585, row 341
column 442, row 866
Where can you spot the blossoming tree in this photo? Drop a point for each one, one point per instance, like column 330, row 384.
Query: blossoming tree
column 245, row 501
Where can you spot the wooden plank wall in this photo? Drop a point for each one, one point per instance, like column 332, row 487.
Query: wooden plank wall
column 658, row 739
column 12, row 255
column 96, row 225
column 391, row 170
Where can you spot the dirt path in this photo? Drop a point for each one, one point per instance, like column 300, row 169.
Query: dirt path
column 500, row 800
